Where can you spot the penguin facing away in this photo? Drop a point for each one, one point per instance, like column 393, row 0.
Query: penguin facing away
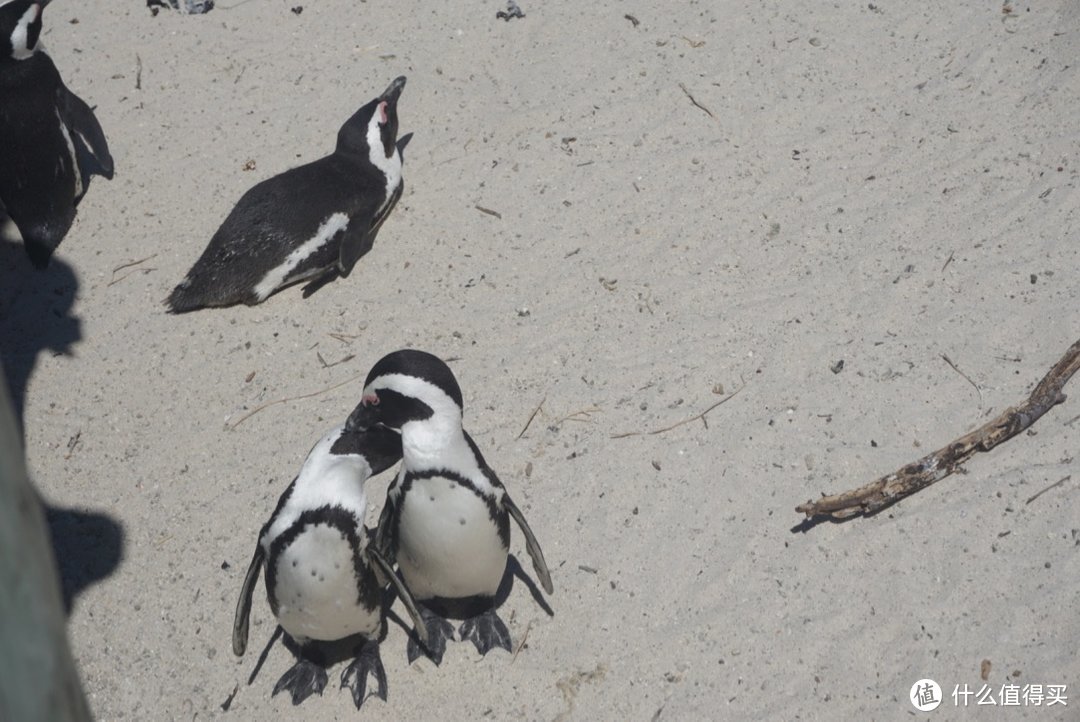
column 310, row 223
column 50, row 141
column 446, row 521
column 324, row 582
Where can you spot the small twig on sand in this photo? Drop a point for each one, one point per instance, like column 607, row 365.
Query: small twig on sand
column 122, row 266
column 697, row 104
column 325, row 365
column 257, row 409
column 1056, row 484
column 582, row 415
column 521, row 644
column 676, row 425
column 914, row 477
column 532, row 416
column 966, row 377
column 489, row 212
column 345, row 338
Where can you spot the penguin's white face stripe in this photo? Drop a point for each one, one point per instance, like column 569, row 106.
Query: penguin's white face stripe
column 71, row 153
column 437, row 442
column 417, row 388
column 333, row 225
column 391, row 167
column 19, row 51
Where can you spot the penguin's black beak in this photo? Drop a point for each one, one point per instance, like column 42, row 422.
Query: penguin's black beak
column 393, row 92
column 363, row 417
column 388, row 129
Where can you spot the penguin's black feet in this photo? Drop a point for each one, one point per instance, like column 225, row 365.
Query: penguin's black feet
column 355, row 675
column 303, row 680
column 439, row 631
column 486, row 631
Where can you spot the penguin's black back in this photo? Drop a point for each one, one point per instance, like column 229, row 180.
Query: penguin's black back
column 37, row 181
column 40, row 185
column 273, row 219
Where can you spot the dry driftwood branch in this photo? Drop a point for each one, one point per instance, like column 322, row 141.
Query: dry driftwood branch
column 916, row 476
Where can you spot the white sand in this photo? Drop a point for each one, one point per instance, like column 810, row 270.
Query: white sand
column 881, row 186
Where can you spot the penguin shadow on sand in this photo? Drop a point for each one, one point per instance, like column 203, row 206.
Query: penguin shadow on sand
column 35, row 318
column 35, row 313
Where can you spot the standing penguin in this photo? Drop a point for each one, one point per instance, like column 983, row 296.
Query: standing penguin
column 323, row 581
column 447, row 516
column 309, row 223
column 50, row 141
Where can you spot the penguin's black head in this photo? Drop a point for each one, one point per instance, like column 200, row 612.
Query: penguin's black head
column 404, row 386
column 380, row 446
column 374, row 127
column 20, row 28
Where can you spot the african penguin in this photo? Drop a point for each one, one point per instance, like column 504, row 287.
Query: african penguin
column 447, row 516
column 324, row 581
column 310, row 223
column 50, row 141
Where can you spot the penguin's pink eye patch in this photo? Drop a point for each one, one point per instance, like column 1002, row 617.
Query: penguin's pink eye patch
column 370, row 400
column 382, row 113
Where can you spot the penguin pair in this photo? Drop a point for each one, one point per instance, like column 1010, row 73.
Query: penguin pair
column 446, row 522
column 50, row 141
column 324, row 581
column 311, row 223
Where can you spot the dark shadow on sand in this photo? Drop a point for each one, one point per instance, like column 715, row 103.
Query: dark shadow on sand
column 35, row 317
column 88, row 546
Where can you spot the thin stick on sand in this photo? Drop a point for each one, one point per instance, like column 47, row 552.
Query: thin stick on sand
column 684, row 422
column 888, row 490
column 259, row 408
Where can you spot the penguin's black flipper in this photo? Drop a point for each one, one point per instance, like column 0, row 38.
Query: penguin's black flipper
column 531, row 544
column 358, row 241
column 403, row 594
column 312, row 286
column 355, row 675
column 486, row 631
column 304, row 679
column 383, row 538
column 243, row 605
column 92, row 151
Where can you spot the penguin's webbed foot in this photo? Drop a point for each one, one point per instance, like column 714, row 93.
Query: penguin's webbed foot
column 439, row 631
column 355, row 675
column 303, row 680
column 486, row 631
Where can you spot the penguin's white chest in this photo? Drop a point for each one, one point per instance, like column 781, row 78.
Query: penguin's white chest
column 448, row 544
column 317, row 588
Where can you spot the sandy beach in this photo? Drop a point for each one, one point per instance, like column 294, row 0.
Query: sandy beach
column 615, row 215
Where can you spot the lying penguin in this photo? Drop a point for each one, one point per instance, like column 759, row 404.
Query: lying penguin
column 447, row 516
column 324, row 581
column 310, row 223
column 50, row 141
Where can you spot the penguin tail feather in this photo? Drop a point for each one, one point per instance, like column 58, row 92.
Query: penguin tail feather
column 183, row 298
